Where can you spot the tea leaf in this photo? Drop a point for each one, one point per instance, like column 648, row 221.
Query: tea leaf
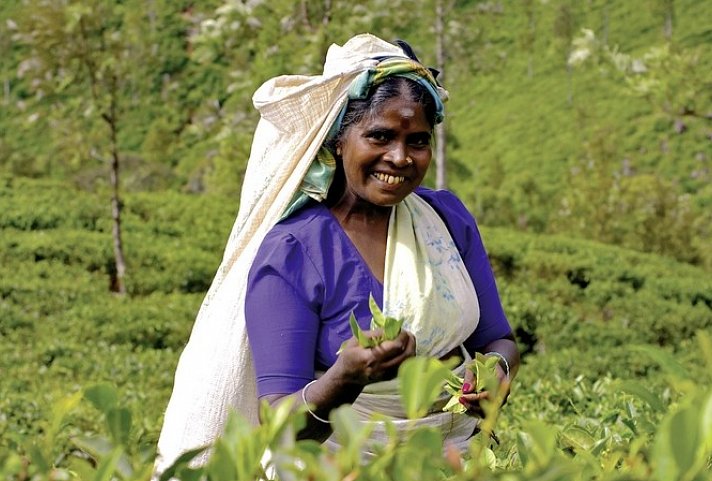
column 392, row 328
column 379, row 320
column 103, row 396
column 118, row 421
column 421, row 381
column 644, row 394
column 362, row 339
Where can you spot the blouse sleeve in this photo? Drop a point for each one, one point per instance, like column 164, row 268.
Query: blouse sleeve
column 282, row 315
column 493, row 323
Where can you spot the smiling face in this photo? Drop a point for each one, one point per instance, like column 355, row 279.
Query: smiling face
column 387, row 153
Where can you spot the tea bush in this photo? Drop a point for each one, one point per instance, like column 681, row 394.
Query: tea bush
column 578, row 307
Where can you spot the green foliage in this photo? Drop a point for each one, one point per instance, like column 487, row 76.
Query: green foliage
column 678, row 447
column 603, row 151
column 483, row 368
column 421, row 381
column 611, row 145
column 388, row 327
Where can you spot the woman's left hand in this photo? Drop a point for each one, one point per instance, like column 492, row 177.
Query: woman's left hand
column 472, row 400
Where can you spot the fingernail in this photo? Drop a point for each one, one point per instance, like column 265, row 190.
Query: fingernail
column 466, row 387
column 463, row 400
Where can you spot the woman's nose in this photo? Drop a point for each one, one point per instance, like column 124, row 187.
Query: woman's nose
column 398, row 155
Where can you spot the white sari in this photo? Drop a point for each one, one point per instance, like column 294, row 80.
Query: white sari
column 427, row 284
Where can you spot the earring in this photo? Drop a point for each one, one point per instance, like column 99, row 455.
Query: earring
column 338, row 151
column 409, row 160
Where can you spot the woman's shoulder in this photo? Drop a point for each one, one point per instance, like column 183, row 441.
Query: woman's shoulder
column 306, row 236
column 306, row 222
column 445, row 203
column 290, row 245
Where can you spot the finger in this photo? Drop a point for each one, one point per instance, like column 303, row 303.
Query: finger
column 398, row 349
column 351, row 342
column 389, row 349
column 390, row 366
column 473, row 408
column 373, row 333
column 469, row 381
column 475, row 397
column 500, row 373
column 411, row 344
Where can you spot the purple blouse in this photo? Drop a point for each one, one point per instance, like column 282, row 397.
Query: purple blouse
column 308, row 277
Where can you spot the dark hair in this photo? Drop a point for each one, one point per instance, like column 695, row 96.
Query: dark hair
column 391, row 88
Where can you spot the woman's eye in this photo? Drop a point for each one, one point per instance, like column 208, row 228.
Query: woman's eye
column 379, row 136
column 420, row 141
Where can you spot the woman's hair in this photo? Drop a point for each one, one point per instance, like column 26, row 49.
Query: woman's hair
column 390, row 88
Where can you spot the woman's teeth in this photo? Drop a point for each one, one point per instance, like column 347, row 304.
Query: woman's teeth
column 389, row 179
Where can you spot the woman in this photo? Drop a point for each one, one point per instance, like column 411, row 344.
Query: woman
column 324, row 261
column 338, row 159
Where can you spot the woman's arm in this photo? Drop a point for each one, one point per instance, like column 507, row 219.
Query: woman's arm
column 506, row 351
column 355, row 367
column 507, row 348
column 282, row 312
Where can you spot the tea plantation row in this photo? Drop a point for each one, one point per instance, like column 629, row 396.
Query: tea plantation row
column 578, row 308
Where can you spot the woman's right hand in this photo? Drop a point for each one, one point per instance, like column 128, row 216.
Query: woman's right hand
column 365, row 365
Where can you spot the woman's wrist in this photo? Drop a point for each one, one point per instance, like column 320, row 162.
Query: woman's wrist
column 505, row 349
column 502, row 362
column 328, row 392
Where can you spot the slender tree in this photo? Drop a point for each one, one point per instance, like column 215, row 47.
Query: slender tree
column 81, row 50
column 440, row 132
column 665, row 9
column 564, row 27
column 528, row 36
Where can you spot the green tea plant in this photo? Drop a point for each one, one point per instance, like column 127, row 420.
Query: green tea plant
column 679, row 447
column 388, row 327
column 483, row 368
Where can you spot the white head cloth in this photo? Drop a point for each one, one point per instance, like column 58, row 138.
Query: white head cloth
column 215, row 372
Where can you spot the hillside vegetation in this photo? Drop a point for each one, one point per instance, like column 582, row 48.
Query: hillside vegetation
column 604, row 135
column 585, row 157
column 579, row 308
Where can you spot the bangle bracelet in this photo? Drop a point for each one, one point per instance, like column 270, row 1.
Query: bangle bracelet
column 504, row 359
column 306, row 404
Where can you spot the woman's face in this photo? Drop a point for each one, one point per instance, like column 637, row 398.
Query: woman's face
column 386, row 155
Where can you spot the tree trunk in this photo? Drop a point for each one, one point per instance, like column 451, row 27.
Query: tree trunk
column 326, row 19
column 117, row 282
column 605, row 24
column 570, row 77
column 440, row 133
column 669, row 19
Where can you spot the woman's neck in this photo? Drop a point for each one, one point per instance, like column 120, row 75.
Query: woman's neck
column 355, row 211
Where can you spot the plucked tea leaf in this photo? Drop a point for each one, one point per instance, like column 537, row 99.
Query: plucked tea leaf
column 454, row 405
column 363, row 340
column 378, row 320
column 392, row 328
column 484, row 369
